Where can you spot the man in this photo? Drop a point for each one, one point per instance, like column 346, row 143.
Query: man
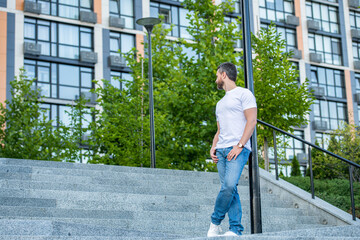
column 236, row 115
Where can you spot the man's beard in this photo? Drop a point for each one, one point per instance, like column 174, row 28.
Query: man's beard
column 220, row 85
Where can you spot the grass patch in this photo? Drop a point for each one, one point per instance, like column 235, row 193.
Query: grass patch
column 334, row 191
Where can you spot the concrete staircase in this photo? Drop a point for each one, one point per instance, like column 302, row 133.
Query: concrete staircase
column 55, row 200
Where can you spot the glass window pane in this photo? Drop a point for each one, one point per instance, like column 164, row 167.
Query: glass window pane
column 43, row 33
column 114, row 44
column 319, row 43
column 86, row 3
column 43, row 74
column 154, row 12
column 86, row 79
column 64, row 115
column 324, row 109
column 316, row 10
column 321, row 75
column 330, row 77
column 324, row 13
column 69, row 2
column 29, row 30
column 327, row 44
column 332, row 106
column 68, row 92
column 68, row 12
column 183, row 20
column 68, row 52
column 114, row 7
column 68, row 34
column 68, row 75
column 127, row 43
column 126, row 7
column 29, row 71
column 86, row 40
column 45, row 89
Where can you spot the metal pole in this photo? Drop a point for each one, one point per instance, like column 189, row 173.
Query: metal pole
column 151, row 99
column 254, row 180
column 311, row 175
column 351, row 169
column 275, row 157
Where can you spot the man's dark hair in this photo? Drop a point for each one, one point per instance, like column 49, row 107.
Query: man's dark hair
column 229, row 69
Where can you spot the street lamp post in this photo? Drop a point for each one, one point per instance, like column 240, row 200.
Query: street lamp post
column 254, row 179
column 149, row 23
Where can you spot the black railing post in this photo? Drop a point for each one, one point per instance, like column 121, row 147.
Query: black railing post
column 311, row 175
column 275, row 157
column 254, row 179
column 351, row 169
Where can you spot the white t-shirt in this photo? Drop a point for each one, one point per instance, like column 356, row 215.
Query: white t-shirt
column 231, row 117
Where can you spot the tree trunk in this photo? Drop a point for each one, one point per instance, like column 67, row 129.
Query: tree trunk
column 266, row 155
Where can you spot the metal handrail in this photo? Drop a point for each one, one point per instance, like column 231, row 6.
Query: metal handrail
column 351, row 167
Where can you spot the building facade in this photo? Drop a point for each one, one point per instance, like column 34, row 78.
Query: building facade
column 65, row 44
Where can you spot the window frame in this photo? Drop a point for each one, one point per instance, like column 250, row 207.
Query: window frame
column 54, row 72
column 54, row 40
column 54, row 7
column 334, row 60
column 267, row 9
column 320, row 19
column 125, row 16
column 335, row 74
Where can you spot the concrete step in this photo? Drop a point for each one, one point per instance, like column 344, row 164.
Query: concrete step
column 186, row 213
column 55, row 228
column 135, row 198
column 185, row 228
column 123, row 180
column 97, row 169
column 139, row 186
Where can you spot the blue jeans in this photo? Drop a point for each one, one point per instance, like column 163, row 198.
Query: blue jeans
column 228, row 200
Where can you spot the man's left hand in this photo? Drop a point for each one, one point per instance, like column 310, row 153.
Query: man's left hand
column 234, row 153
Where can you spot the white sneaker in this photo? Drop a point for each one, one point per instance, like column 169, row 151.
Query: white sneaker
column 230, row 234
column 214, row 230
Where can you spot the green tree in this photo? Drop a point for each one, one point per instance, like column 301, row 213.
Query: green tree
column 345, row 142
column 185, row 94
column 295, row 167
column 282, row 101
column 25, row 130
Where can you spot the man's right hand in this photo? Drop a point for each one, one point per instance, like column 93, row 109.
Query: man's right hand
column 213, row 155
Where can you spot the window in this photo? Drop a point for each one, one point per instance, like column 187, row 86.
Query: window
column 229, row 20
column 123, row 9
column 65, row 8
column 334, row 113
column 357, row 80
column 355, row 20
column 322, row 139
column 121, row 42
column 59, row 81
column 173, row 15
column 58, row 39
column 356, row 51
column 287, row 34
column 276, row 10
column 331, row 80
column 328, row 16
column 293, row 146
column 123, row 76
column 328, row 47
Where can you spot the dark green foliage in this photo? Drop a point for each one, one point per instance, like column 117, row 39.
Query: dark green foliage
column 295, row 167
column 334, row 191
